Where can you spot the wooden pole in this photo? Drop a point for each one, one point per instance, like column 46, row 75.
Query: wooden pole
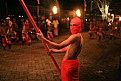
column 39, row 31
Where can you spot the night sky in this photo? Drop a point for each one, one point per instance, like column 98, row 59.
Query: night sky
column 14, row 6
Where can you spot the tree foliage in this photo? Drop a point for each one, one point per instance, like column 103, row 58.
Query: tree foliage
column 103, row 6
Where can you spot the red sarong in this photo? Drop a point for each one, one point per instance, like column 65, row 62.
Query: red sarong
column 70, row 70
column 27, row 38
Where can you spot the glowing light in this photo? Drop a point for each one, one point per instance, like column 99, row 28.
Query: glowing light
column 112, row 15
column 78, row 13
column 119, row 18
column 106, row 9
column 67, row 18
column 85, row 19
column 54, row 10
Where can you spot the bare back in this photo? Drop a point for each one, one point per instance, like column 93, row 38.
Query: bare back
column 74, row 48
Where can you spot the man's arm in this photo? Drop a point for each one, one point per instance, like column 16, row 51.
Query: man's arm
column 63, row 44
column 63, row 50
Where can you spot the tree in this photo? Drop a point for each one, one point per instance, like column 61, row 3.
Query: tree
column 103, row 6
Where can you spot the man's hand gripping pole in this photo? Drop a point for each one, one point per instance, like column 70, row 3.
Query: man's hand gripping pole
column 38, row 31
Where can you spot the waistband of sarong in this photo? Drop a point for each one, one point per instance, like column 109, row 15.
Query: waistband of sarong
column 75, row 60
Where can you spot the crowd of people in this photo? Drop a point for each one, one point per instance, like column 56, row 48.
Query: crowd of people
column 12, row 30
column 104, row 30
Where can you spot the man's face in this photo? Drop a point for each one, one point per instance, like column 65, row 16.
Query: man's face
column 75, row 28
column 75, row 25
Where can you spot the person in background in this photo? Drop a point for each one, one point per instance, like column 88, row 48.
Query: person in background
column 92, row 29
column 55, row 25
column 15, row 30
column 9, row 32
column 43, row 26
column 49, row 32
column 3, row 30
column 26, row 31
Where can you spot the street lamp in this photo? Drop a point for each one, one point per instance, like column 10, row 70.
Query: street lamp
column 54, row 10
column 78, row 13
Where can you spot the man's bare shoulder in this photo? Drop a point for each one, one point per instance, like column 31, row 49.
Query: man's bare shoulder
column 75, row 37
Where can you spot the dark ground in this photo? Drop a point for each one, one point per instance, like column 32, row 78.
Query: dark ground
column 99, row 61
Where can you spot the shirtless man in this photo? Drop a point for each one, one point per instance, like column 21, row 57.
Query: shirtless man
column 72, row 46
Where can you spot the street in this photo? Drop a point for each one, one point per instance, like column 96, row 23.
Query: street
column 99, row 61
